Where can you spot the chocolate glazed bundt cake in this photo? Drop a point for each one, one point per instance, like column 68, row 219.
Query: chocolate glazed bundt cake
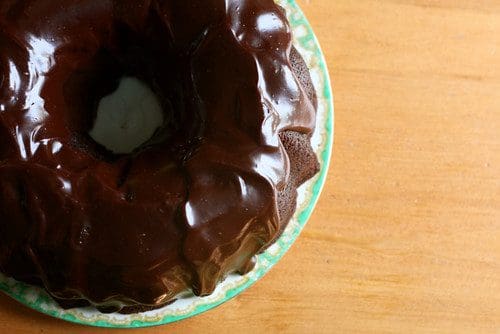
column 215, row 185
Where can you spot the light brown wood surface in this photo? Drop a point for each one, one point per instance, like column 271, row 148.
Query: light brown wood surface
column 406, row 236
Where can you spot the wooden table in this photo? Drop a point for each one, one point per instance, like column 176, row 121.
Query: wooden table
column 406, row 237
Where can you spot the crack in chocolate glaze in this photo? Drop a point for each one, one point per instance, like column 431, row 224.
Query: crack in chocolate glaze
column 187, row 208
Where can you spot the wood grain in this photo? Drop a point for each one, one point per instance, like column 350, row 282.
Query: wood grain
column 406, row 237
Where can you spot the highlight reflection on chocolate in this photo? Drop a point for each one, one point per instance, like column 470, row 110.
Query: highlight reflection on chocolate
column 212, row 188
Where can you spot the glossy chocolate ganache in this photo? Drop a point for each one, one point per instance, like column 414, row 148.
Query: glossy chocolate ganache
column 213, row 187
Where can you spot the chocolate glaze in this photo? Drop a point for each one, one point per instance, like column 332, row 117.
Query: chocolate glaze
column 193, row 204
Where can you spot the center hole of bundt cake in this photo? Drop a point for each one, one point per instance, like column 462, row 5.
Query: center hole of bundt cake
column 128, row 117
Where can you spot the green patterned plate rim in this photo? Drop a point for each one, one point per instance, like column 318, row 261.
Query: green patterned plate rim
column 189, row 305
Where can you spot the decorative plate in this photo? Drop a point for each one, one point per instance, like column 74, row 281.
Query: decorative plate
column 189, row 305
